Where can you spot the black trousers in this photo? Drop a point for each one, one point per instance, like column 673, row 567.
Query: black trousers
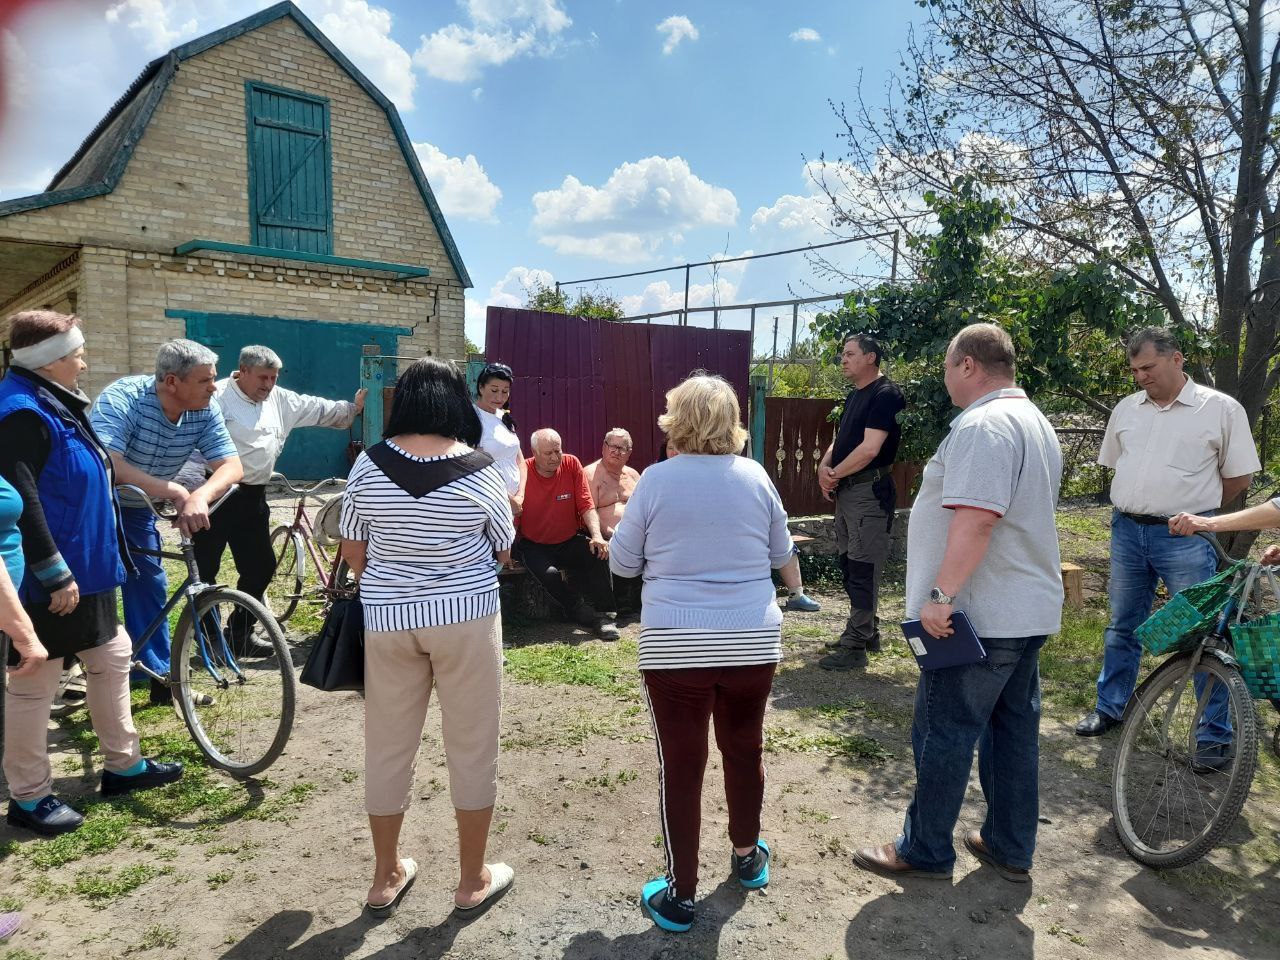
column 242, row 523
column 588, row 574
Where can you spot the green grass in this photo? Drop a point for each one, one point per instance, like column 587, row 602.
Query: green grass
column 103, row 885
column 1084, row 525
column 154, row 937
column 17, row 953
column 854, row 747
column 610, row 669
column 1070, row 660
column 10, row 904
column 219, row 879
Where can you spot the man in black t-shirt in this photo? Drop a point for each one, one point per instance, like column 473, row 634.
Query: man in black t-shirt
column 854, row 472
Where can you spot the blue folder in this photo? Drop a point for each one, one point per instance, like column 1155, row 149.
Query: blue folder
column 961, row 648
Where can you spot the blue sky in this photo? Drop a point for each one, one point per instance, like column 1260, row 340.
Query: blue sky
column 564, row 139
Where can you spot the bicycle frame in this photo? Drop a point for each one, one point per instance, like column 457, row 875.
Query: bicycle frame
column 324, row 564
column 189, row 591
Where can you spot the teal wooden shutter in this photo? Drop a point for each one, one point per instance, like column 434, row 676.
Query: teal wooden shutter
column 290, row 186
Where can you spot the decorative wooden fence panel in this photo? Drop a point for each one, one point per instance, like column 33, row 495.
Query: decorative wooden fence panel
column 796, row 432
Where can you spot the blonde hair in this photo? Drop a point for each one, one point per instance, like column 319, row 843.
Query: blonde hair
column 703, row 416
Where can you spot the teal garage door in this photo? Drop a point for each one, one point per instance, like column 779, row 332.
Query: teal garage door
column 319, row 358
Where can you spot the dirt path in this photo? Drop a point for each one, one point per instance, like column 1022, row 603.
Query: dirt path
column 278, row 869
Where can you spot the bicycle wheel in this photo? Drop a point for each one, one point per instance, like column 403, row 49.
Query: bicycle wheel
column 285, row 588
column 247, row 725
column 1172, row 798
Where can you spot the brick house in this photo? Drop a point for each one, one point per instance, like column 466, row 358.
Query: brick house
column 250, row 186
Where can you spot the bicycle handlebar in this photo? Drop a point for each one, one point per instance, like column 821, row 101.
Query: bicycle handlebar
column 1211, row 539
column 281, row 480
column 145, row 499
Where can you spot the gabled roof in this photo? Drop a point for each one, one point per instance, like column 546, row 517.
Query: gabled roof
column 96, row 167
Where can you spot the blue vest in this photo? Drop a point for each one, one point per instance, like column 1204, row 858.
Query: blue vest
column 75, row 494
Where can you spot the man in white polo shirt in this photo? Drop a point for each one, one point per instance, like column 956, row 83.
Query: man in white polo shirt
column 259, row 416
column 1176, row 447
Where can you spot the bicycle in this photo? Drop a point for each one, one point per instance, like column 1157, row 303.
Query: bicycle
column 239, row 716
column 1173, row 796
column 293, row 543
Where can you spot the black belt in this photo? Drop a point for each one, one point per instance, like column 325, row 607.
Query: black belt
column 864, row 476
column 1147, row 519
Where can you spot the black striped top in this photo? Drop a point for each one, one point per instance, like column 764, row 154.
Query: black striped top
column 680, row 648
column 430, row 559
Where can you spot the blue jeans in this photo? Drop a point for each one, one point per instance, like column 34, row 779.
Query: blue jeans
column 1141, row 554
column 995, row 706
column 144, row 593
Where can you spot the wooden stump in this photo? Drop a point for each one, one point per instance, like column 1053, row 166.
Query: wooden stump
column 1073, row 584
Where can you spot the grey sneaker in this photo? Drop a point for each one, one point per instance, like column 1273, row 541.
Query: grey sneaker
column 844, row 660
column 607, row 630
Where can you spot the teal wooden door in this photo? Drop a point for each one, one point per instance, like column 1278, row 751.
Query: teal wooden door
column 290, row 184
column 320, row 358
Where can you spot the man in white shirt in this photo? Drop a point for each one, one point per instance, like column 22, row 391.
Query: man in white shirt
column 1176, row 447
column 259, row 416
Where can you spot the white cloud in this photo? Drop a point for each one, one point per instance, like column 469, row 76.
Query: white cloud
column 460, row 183
column 803, row 218
column 363, row 33
column 513, row 289
column 500, row 30
column 676, row 29
column 660, row 296
column 641, row 206
column 152, row 19
column 806, row 35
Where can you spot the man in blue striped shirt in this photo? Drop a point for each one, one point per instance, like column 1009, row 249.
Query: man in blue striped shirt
column 151, row 425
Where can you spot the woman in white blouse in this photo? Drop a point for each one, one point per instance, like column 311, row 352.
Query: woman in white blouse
column 498, row 430
column 423, row 517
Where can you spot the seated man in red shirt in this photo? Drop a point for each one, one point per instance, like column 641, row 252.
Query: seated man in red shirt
column 557, row 501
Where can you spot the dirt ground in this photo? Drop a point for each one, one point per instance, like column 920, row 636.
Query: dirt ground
column 279, row 868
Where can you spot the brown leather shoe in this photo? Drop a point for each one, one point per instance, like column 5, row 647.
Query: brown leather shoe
column 974, row 843
column 885, row 861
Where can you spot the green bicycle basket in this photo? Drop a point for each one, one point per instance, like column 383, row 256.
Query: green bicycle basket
column 1174, row 626
column 1257, row 643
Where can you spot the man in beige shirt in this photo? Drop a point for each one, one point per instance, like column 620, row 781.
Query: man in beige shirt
column 1176, row 447
column 612, row 482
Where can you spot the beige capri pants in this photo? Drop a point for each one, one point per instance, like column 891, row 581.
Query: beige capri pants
column 464, row 660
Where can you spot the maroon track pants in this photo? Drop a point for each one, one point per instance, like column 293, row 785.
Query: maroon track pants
column 681, row 702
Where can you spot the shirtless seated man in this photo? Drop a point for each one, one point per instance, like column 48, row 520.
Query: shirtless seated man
column 612, row 482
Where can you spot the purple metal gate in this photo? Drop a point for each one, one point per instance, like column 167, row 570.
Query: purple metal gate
column 582, row 377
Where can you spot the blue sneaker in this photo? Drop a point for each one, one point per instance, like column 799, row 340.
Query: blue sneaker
column 803, row 603
column 753, row 869
column 667, row 912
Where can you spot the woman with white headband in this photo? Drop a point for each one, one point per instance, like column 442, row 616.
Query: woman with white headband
column 73, row 546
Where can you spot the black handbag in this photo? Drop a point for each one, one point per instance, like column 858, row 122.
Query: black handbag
column 337, row 660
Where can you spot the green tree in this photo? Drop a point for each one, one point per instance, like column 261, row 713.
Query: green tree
column 1064, row 323
column 597, row 304
column 1127, row 139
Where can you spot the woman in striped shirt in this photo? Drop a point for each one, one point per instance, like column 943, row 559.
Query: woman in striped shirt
column 423, row 516
column 704, row 528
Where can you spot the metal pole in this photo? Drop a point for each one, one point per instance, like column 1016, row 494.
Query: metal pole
column 893, row 269
column 372, row 378
column 795, row 323
column 758, row 390
column 774, row 352
column 684, row 317
column 753, row 331
column 715, row 319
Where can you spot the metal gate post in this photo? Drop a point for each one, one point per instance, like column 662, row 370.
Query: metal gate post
column 758, row 386
column 475, row 367
column 373, row 377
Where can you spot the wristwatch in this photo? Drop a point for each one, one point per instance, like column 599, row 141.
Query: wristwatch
column 937, row 596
